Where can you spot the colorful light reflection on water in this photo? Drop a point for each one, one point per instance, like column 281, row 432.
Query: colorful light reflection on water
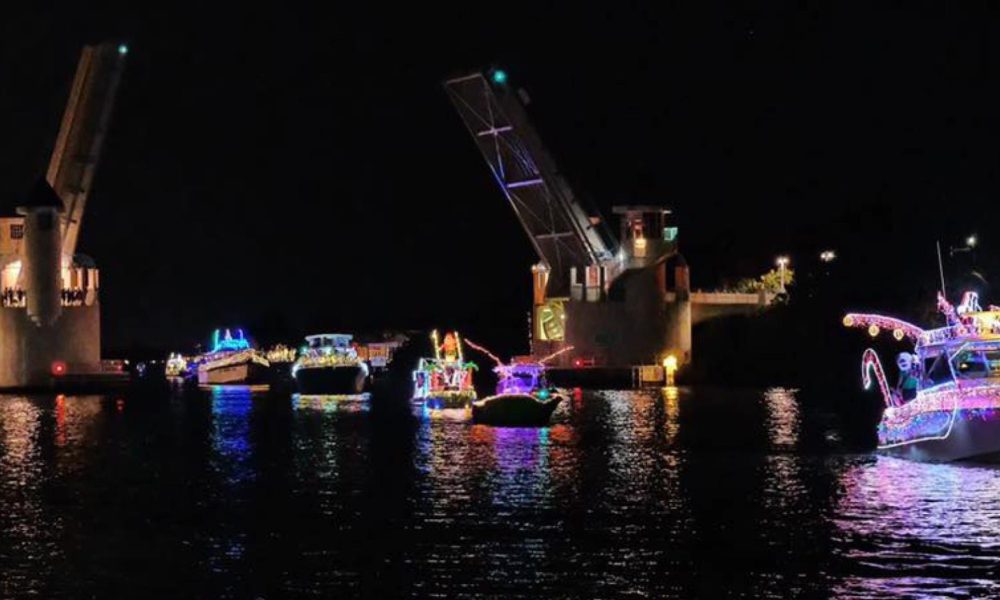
column 662, row 493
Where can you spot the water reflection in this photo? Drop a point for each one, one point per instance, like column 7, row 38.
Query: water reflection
column 28, row 527
column 671, row 411
column 231, row 464
column 783, row 418
column 352, row 403
column 231, row 407
column 679, row 492
column 920, row 530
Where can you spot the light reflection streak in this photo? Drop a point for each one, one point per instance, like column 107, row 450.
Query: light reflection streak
column 30, row 531
column 231, row 409
column 350, row 403
column 783, row 419
column 920, row 529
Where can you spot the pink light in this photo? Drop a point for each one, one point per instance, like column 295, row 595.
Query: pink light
column 869, row 363
column 883, row 323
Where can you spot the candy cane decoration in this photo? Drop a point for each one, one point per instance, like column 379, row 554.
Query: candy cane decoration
column 869, row 363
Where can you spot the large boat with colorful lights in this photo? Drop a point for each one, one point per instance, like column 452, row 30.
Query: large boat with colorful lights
column 945, row 405
column 523, row 398
column 232, row 361
column 445, row 381
column 329, row 364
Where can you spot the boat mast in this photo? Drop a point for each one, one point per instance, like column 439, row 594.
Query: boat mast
column 941, row 269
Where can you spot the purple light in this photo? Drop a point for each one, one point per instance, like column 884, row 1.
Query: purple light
column 519, row 378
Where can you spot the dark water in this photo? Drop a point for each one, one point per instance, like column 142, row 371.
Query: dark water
column 699, row 493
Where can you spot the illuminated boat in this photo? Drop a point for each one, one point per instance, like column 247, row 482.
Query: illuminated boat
column 524, row 397
column 329, row 364
column 946, row 404
column 176, row 366
column 231, row 361
column 445, row 381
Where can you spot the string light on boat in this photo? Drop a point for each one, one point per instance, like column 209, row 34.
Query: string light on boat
column 876, row 323
column 898, row 334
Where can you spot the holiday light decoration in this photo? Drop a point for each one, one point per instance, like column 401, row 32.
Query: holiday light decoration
column 445, row 380
column 229, row 343
column 969, row 304
column 328, row 351
column 876, row 323
column 281, row 354
column 520, row 376
column 953, row 378
column 176, row 365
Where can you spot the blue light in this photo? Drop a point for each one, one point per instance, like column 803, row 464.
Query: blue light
column 499, row 76
column 229, row 343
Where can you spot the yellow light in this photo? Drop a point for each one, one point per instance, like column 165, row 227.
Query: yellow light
column 873, row 330
column 898, row 334
column 670, row 366
column 848, row 321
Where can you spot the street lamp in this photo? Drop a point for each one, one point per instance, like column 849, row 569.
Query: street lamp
column 782, row 263
column 827, row 256
column 970, row 245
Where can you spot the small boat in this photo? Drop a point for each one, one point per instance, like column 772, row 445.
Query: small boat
column 329, row 364
column 232, row 361
column 946, row 404
column 445, row 381
column 524, row 397
column 176, row 367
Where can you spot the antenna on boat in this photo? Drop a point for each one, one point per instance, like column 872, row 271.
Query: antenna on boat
column 554, row 354
column 941, row 269
column 476, row 346
column 458, row 345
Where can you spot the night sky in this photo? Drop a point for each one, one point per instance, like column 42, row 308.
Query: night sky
column 301, row 169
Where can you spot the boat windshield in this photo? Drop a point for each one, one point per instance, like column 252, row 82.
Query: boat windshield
column 977, row 363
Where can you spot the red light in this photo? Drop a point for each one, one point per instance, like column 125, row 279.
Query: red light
column 578, row 363
column 58, row 368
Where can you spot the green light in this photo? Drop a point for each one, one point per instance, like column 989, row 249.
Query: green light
column 122, row 49
column 499, row 76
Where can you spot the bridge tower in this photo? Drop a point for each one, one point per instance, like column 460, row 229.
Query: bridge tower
column 50, row 314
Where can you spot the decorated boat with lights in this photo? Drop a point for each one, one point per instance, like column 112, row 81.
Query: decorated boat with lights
column 445, row 381
column 232, row 361
column 329, row 364
column 523, row 398
column 945, row 405
column 177, row 366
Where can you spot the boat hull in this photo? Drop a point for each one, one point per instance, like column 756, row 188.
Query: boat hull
column 515, row 410
column 246, row 373
column 347, row 379
column 448, row 399
column 975, row 436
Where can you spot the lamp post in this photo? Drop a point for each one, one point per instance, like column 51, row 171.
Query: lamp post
column 970, row 246
column 782, row 263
